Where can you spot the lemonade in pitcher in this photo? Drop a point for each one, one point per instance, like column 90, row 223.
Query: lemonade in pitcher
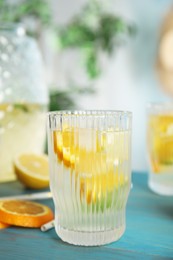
column 22, row 129
column 23, row 97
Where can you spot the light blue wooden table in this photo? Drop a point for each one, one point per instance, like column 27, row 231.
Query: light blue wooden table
column 149, row 232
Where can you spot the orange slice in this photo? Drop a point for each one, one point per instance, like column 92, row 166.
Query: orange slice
column 32, row 170
column 24, row 213
column 3, row 225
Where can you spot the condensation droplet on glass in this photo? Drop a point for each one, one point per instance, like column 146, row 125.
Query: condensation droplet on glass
column 6, row 74
column 20, row 31
column 4, row 57
column 3, row 40
column 116, row 162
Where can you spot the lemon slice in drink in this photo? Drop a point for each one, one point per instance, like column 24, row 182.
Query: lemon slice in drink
column 96, row 188
column 32, row 170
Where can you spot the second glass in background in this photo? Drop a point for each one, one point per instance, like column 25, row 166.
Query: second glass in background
column 160, row 148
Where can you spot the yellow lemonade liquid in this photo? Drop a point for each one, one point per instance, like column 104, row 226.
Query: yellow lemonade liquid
column 22, row 129
column 90, row 177
column 160, row 145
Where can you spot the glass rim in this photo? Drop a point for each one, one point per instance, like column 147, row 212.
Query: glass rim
column 90, row 112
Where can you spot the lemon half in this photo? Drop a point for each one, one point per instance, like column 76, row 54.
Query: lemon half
column 32, row 170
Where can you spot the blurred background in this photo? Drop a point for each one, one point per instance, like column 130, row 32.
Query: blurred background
column 114, row 54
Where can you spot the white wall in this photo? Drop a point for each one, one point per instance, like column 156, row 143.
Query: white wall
column 129, row 81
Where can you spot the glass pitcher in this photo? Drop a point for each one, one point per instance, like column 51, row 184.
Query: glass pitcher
column 23, row 98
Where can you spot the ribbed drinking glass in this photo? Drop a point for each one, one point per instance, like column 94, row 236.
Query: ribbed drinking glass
column 90, row 174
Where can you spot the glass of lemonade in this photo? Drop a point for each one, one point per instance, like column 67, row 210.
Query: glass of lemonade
column 90, row 174
column 160, row 148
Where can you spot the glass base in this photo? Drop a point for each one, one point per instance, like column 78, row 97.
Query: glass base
column 160, row 189
column 161, row 183
column 90, row 238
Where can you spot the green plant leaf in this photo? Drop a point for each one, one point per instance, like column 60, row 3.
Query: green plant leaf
column 75, row 35
column 65, row 99
column 91, row 61
column 80, row 33
column 17, row 11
